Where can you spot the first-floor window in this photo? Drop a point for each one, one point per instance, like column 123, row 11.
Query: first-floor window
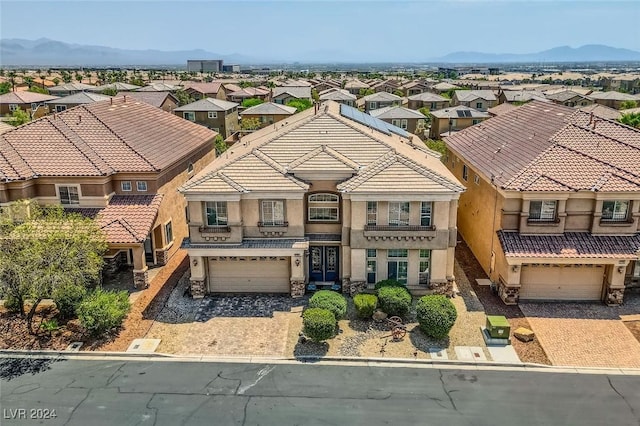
column 615, row 211
column 168, row 232
column 272, row 212
column 372, row 266
column 542, row 211
column 69, row 195
column 398, row 213
column 60, row 108
column 189, row 115
column 216, row 213
column 397, row 265
column 13, row 107
column 212, row 114
column 425, row 266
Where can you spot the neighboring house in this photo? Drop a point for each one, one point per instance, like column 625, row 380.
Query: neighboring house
column 501, row 109
column 160, row 87
column 117, row 86
column 379, row 100
column 629, row 83
column 611, row 99
column 480, row 100
column 569, row 98
column 454, row 119
column 67, row 89
column 268, row 113
column 327, row 85
column 31, row 102
column 248, row 93
column 205, row 90
column 81, row 98
column 407, row 119
column 428, row 100
column 519, row 96
column 230, row 88
column 284, row 94
column 341, row 96
column 333, row 198
column 106, row 160
column 413, row 88
column 354, row 86
column 388, row 86
column 166, row 101
column 551, row 210
column 218, row 115
column 442, row 87
column 602, row 111
column 4, row 127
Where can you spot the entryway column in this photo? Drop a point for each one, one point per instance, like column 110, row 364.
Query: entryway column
column 198, row 278
column 615, row 275
column 140, row 268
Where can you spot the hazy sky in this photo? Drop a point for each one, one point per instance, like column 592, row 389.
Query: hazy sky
column 362, row 30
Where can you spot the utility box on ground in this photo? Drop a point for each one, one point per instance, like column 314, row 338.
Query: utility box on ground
column 498, row 327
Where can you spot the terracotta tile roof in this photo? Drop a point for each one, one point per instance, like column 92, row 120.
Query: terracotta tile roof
column 159, row 87
column 312, row 141
column 24, row 97
column 471, row 95
column 204, row 88
column 570, row 245
column 100, row 139
column 428, row 97
column 269, row 108
column 127, row 219
column 501, row 109
column 296, row 92
column 66, row 87
column 4, row 127
column 248, row 92
column 602, row 111
column 119, row 86
column 79, row 98
column 396, row 112
column 381, row 97
column 155, row 98
column 208, row 104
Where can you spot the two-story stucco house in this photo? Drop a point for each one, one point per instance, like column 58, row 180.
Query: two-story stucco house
column 117, row 160
column 552, row 206
column 216, row 114
column 480, row 100
column 332, row 197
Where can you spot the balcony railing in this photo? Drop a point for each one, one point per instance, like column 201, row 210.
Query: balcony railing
column 277, row 224
column 218, row 229
column 392, row 228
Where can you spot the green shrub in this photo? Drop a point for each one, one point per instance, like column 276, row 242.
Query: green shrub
column 319, row 324
column 388, row 283
column 331, row 301
column 394, row 300
column 49, row 326
column 436, row 315
column 11, row 304
column 365, row 304
column 67, row 299
column 101, row 310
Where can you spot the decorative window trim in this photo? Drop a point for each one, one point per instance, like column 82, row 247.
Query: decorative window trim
column 141, row 186
column 219, row 207
column 189, row 115
column 168, row 231
column 547, row 214
column 613, row 214
column 399, row 220
column 372, row 213
column 70, row 200
column 273, row 221
column 426, row 215
column 123, row 186
column 212, row 114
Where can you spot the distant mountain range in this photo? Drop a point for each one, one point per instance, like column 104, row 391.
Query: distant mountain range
column 587, row 53
column 46, row 52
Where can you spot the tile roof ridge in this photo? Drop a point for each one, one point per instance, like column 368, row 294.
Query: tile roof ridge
column 613, row 122
column 81, row 145
column 88, row 110
column 278, row 167
column 378, row 165
column 215, row 170
column 300, row 160
column 409, row 162
column 122, row 222
column 232, row 183
column 340, row 157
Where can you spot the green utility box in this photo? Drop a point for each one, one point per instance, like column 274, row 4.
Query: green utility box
column 498, row 327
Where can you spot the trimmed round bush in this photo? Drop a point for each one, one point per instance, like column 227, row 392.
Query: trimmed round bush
column 388, row 283
column 100, row 310
column 365, row 304
column 319, row 324
column 331, row 301
column 436, row 315
column 68, row 298
column 394, row 300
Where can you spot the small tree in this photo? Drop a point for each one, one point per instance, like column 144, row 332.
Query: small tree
column 103, row 310
column 183, row 97
column 300, row 104
column 628, row 104
column 5, row 87
column 220, row 145
column 436, row 315
column 437, row 145
column 250, row 102
column 38, row 89
column 109, row 91
column 315, row 96
column 366, row 92
column 250, row 123
column 20, row 117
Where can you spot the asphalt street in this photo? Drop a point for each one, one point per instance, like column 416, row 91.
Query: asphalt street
column 140, row 392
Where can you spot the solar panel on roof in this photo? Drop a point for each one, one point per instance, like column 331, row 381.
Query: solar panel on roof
column 369, row 121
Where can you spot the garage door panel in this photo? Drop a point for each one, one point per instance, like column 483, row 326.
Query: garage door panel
column 249, row 275
column 573, row 282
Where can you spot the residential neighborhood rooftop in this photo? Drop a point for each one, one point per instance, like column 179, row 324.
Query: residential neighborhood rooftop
column 269, row 108
column 208, row 104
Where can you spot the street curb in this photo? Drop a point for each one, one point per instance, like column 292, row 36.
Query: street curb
column 307, row 359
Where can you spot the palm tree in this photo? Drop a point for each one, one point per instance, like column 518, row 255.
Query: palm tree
column 12, row 80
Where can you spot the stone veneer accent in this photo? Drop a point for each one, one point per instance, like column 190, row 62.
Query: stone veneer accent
column 509, row 295
column 297, row 288
column 346, row 285
column 614, row 296
column 356, row 287
column 141, row 279
column 162, row 257
column 198, row 289
column 113, row 264
column 441, row 287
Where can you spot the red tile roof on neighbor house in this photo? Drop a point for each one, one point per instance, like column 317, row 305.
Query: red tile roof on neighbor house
column 204, row 88
column 25, row 97
column 570, row 245
column 127, row 219
column 99, row 139
column 548, row 147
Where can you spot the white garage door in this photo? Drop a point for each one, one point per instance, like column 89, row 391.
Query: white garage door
column 249, row 274
column 562, row 282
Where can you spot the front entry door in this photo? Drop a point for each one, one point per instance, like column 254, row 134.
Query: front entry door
column 324, row 263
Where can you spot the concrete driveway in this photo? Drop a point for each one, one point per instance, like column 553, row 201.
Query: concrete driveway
column 585, row 334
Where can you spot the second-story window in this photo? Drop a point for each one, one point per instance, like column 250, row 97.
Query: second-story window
column 399, row 213
column 69, row 195
column 426, row 208
column 141, row 186
column 216, row 213
column 615, row 211
column 213, row 114
column 323, row 208
column 478, row 105
column 189, row 115
column 272, row 213
column 125, row 185
column 372, row 213
column 465, row 172
column 542, row 211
